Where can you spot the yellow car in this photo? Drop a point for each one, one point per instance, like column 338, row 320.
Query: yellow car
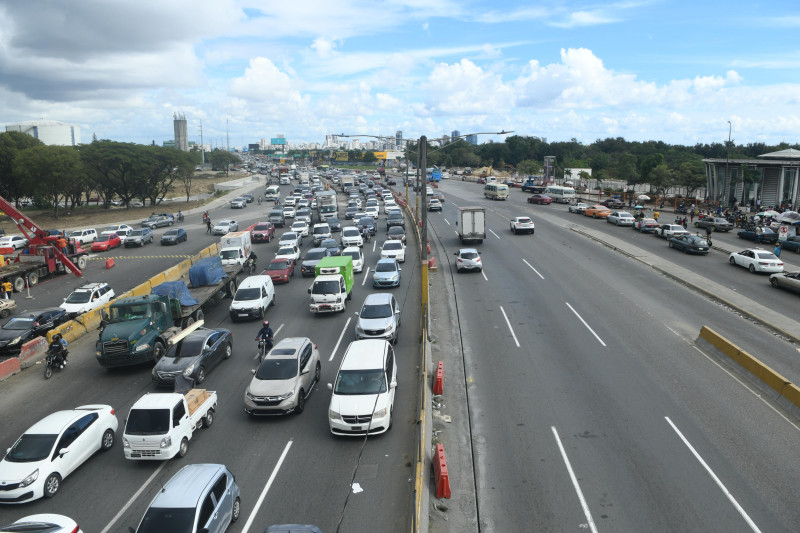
column 597, row 211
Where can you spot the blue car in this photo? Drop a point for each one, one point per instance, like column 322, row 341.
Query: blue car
column 386, row 274
column 174, row 236
column 767, row 235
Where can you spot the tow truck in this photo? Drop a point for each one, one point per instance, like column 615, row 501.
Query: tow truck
column 43, row 258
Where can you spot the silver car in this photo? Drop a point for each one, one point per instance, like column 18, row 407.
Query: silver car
column 285, row 378
column 379, row 318
column 468, row 259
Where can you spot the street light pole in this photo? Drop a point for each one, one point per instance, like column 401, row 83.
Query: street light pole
column 727, row 160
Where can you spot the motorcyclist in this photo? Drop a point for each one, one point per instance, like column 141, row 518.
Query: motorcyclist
column 251, row 259
column 365, row 233
column 180, row 216
column 265, row 333
column 58, row 346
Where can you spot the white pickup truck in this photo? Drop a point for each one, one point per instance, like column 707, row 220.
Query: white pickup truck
column 160, row 425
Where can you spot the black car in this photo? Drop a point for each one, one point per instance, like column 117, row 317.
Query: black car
column 335, row 224
column 767, row 235
column 690, row 244
column 174, row 236
column 249, row 198
column 792, row 244
column 367, row 222
column 350, row 212
column 395, row 218
column 277, row 218
column 396, row 232
column 195, row 355
column 27, row 326
column 313, row 256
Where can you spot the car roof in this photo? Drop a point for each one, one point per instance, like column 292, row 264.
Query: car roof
column 188, row 486
column 91, row 286
column 294, row 343
column 55, row 422
column 364, row 354
column 462, row 250
column 378, row 298
column 387, row 260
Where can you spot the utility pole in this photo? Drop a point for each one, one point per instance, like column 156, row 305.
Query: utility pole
column 421, row 168
column 727, row 160
column 202, row 146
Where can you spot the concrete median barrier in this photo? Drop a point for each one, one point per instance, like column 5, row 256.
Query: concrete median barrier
column 9, row 367
column 32, row 351
column 70, row 330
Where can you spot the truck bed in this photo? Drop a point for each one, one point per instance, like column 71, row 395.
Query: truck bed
column 195, row 398
column 205, row 293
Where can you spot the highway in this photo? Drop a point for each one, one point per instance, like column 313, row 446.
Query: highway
column 588, row 405
column 290, row 469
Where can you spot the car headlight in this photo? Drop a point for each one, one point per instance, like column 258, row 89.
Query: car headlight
column 30, row 479
column 15, row 341
column 286, row 396
column 141, row 347
column 249, row 396
column 395, row 277
column 338, row 299
column 333, row 415
column 380, row 413
column 189, row 370
column 166, row 442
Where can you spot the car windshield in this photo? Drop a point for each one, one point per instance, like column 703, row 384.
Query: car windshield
column 121, row 313
column 365, row 221
column 277, row 214
column 360, row 382
column 469, row 255
column 103, row 238
column 766, row 255
column 247, row 294
column 315, row 255
column 385, row 267
column 273, row 368
column 19, row 324
column 376, row 311
column 325, row 287
column 355, row 255
column 393, row 245
column 289, row 236
column 261, row 227
column 30, row 448
column 136, row 233
column 147, row 422
column 396, row 230
column 229, row 254
column 172, row 232
column 159, row 519
column 78, row 297
column 288, row 250
column 76, row 234
column 278, row 265
column 350, row 232
column 322, row 230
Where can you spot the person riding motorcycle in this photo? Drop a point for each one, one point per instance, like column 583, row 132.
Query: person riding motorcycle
column 265, row 334
column 180, row 216
column 251, row 260
column 58, row 347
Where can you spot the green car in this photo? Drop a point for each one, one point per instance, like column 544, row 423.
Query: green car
column 690, row 244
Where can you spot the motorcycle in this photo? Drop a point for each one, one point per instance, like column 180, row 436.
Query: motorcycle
column 52, row 362
column 264, row 346
column 180, row 217
column 249, row 265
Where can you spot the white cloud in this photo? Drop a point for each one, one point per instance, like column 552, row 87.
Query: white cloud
column 324, row 47
column 263, row 82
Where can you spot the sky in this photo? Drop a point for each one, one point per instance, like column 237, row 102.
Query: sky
column 671, row 70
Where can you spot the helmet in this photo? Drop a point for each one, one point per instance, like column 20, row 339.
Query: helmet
column 57, row 337
column 266, row 323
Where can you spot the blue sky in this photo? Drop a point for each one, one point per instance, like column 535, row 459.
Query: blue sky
column 675, row 71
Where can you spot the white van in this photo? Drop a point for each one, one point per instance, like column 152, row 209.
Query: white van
column 363, row 393
column 272, row 192
column 254, row 295
column 560, row 195
column 495, row 191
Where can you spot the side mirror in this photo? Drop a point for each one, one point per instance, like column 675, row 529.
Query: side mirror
column 253, row 371
column 131, row 530
column 393, row 384
column 356, row 313
column 455, row 253
column 309, row 290
column 330, row 387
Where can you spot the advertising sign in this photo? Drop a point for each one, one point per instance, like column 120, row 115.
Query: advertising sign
column 341, row 156
column 277, row 140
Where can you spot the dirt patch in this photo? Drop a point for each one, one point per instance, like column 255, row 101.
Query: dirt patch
column 96, row 216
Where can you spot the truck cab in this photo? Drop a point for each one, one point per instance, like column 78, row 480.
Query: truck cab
column 332, row 286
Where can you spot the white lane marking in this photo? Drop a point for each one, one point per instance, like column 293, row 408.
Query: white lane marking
column 725, row 491
column 484, row 275
column 263, row 495
column 509, row 326
column 575, row 484
column 530, row 265
column 596, row 336
column 495, row 234
column 448, row 223
column 133, row 498
column 341, row 335
column 456, row 231
column 374, row 244
column 363, row 281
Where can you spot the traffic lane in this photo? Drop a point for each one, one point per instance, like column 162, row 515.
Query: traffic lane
column 560, row 349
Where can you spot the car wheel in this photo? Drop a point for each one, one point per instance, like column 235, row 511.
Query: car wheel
column 158, row 350
column 773, row 282
column 228, row 351
column 183, row 448
column 752, row 269
column 236, row 510
column 209, row 418
column 317, row 373
column 301, row 402
column 108, row 440
column 732, row 261
column 201, row 375
column 51, row 485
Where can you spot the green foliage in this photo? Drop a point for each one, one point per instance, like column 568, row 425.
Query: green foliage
column 11, row 143
column 222, row 160
column 50, row 171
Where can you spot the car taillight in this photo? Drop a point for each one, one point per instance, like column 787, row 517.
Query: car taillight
column 77, row 529
column 112, row 411
column 478, row 260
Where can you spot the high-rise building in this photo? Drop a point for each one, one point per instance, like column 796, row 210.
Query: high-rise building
column 472, row 139
column 398, row 140
column 50, row 132
column 181, row 132
column 454, row 135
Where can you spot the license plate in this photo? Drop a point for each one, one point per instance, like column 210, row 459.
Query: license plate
column 242, row 314
column 356, row 428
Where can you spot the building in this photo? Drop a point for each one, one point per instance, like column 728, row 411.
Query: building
column 454, row 135
column 472, row 139
column 398, row 140
column 771, row 180
column 181, row 132
column 50, row 132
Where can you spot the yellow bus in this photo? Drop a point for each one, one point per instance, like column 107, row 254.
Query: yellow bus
column 495, row 191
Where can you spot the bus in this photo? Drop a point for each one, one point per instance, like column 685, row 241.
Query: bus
column 561, row 195
column 495, row 191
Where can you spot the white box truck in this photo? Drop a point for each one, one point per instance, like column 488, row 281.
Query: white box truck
column 472, row 224
column 235, row 247
column 327, row 204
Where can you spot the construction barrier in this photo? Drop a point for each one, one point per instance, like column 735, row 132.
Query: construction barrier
column 9, row 367
column 432, row 264
column 109, row 262
column 70, row 330
column 32, row 351
column 438, row 382
column 440, row 472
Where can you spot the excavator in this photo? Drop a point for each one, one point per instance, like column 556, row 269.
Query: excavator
column 43, row 258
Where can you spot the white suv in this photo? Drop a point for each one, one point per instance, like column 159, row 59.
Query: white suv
column 351, row 237
column 83, row 236
column 321, row 232
column 363, row 393
column 87, row 298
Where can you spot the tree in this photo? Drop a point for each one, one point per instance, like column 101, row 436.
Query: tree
column 11, row 143
column 662, row 179
column 648, row 164
column 369, row 157
column 54, row 170
column 691, row 176
column 529, row 167
column 222, row 160
column 114, row 168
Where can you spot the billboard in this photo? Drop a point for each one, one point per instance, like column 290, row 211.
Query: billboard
column 341, row 156
column 380, row 155
column 277, row 140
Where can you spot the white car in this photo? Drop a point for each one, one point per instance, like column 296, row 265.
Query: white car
column 670, row 230
column 83, row 236
column 351, row 237
column 290, row 200
column 43, row 523
column 285, row 180
column 757, row 260
column 522, row 225
column 290, row 237
column 289, row 251
column 468, row 259
column 52, row 449
column 87, row 298
column 13, row 241
column 301, row 227
column 372, row 211
column 223, row 227
column 388, row 205
column 394, row 249
column 621, row 218
column 120, row 229
column 579, row 208
column 358, row 257
column 288, row 211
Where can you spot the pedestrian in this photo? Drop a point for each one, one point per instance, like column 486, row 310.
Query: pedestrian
column 708, row 236
column 8, row 288
column 777, row 250
column 685, row 225
column 691, row 216
column 758, row 234
column 259, row 199
column 208, row 225
column 655, row 215
column 630, row 202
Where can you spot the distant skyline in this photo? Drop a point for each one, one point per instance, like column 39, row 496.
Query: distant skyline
column 674, row 71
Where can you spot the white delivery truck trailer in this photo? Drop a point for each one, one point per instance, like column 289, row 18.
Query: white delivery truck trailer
column 472, row 224
column 235, row 248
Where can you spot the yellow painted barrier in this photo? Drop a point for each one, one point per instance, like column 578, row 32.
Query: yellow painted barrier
column 140, row 290
column 69, row 330
column 91, row 320
column 158, row 279
column 761, row 371
column 172, row 274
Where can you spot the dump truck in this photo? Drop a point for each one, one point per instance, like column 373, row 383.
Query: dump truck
column 137, row 329
column 471, row 224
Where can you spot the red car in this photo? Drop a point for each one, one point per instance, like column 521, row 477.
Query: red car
column 280, row 269
column 106, row 242
column 540, row 199
column 262, row 231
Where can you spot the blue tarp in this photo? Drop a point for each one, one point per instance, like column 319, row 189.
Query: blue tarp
column 207, row 271
column 175, row 289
